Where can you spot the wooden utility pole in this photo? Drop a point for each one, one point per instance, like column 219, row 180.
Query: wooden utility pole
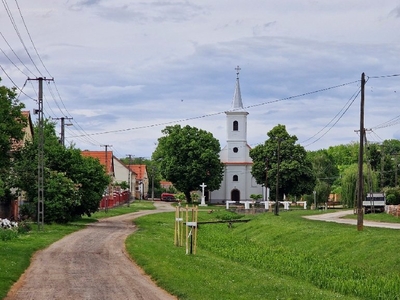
column 360, row 192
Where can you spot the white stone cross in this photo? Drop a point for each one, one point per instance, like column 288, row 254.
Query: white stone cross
column 203, row 200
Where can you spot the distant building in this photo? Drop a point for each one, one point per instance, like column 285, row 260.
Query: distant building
column 142, row 181
column 238, row 183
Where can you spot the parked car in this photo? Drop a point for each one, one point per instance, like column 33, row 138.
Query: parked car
column 168, row 197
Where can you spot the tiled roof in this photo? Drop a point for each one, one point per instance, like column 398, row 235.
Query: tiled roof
column 101, row 156
column 140, row 170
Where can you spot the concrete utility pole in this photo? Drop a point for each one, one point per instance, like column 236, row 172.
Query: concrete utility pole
column 360, row 193
column 62, row 140
column 39, row 112
column 129, row 177
column 109, row 185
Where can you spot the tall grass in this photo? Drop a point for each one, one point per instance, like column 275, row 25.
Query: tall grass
column 271, row 257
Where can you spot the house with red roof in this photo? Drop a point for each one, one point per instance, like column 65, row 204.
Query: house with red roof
column 142, row 181
column 118, row 171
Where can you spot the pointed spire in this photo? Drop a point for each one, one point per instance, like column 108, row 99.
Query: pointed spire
column 237, row 97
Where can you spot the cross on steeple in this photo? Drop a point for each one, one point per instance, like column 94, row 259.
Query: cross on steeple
column 237, row 71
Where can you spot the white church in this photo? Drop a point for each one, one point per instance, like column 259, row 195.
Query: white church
column 238, row 183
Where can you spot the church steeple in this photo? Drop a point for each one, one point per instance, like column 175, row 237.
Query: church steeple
column 237, row 103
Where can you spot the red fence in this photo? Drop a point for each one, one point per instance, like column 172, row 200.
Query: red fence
column 115, row 199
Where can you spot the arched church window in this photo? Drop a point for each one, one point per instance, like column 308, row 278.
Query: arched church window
column 235, row 178
column 235, row 125
column 235, row 149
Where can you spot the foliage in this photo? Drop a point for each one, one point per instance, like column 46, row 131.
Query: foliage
column 255, row 197
column 73, row 184
column 296, row 176
column 181, row 197
column 392, row 196
column 12, row 123
column 344, row 154
column 349, row 183
column 187, row 157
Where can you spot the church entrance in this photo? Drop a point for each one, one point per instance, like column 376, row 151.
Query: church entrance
column 235, row 195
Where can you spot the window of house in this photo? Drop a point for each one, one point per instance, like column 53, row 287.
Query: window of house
column 235, row 178
column 235, row 149
column 235, row 125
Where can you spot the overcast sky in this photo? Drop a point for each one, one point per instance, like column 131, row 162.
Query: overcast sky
column 123, row 70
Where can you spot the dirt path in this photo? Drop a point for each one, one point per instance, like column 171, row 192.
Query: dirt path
column 90, row 264
column 338, row 218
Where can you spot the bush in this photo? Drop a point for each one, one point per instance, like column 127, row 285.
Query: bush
column 6, row 235
column 393, row 196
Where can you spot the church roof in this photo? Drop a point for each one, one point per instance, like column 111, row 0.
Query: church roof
column 237, row 103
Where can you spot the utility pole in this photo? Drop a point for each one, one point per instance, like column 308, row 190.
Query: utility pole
column 382, row 167
column 107, row 172
column 153, row 168
column 129, row 177
column 277, row 180
column 39, row 112
column 360, row 193
column 62, row 140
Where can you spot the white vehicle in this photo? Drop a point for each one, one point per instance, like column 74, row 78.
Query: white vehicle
column 374, row 202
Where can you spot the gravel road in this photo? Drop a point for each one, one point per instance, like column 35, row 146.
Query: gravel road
column 90, row 264
column 337, row 217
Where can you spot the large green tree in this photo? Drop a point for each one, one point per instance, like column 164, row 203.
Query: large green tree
column 296, row 176
column 187, row 157
column 12, row 123
column 73, row 184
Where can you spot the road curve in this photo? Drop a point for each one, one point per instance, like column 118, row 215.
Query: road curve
column 337, row 217
column 90, row 264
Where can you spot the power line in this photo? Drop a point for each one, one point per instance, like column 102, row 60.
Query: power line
column 19, row 34
column 350, row 99
column 30, row 37
column 219, row 113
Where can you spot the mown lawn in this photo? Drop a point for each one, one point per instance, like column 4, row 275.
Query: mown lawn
column 270, row 257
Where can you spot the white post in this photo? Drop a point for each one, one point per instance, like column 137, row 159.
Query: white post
column 203, row 200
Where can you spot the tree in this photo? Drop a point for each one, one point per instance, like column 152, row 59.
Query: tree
column 12, row 123
column 187, row 157
column 326, row 173
column 349, row 183
column 73, row 184
column 296, row 176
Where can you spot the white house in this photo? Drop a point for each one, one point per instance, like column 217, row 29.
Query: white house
column 238, row 183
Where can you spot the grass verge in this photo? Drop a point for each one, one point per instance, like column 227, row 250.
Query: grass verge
column 16, row 254
column 271, row 257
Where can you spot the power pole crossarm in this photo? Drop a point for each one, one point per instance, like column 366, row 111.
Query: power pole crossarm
column 62, row 140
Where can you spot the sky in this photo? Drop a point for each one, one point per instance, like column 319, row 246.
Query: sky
column 124, row 70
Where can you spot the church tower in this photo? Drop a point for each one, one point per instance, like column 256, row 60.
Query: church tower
column 238, row 183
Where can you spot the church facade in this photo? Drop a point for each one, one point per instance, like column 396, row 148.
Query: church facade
column 238, row 183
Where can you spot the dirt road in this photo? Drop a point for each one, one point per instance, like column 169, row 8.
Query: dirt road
column 90, row 264
column 337, row 217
